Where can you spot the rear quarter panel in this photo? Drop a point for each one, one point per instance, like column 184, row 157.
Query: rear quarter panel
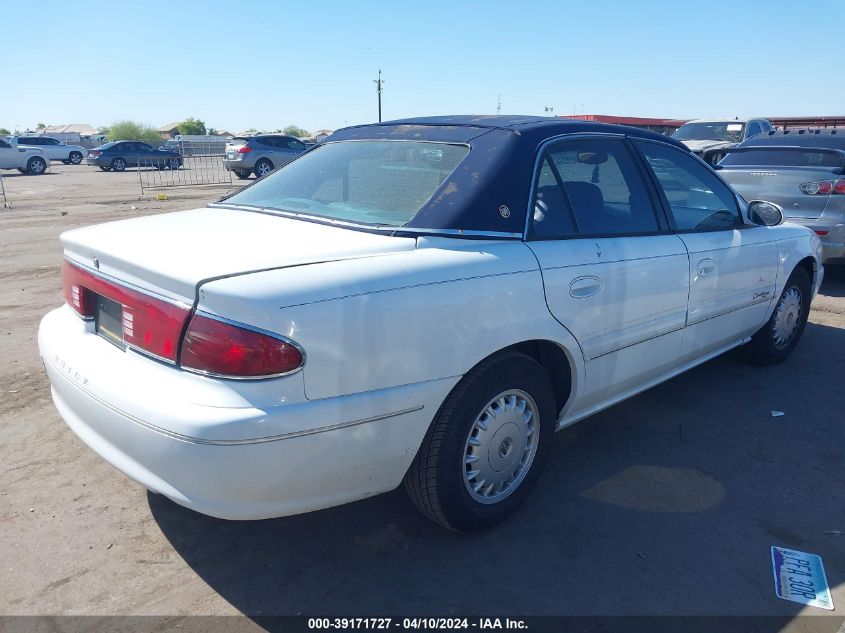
column 380, row 322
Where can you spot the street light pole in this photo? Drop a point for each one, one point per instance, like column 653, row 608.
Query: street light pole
column 379, row 82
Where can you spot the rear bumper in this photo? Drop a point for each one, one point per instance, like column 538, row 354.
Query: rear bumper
column 231, row 449
column 833, row 243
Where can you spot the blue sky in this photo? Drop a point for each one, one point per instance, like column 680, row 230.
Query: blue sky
column 241, row 64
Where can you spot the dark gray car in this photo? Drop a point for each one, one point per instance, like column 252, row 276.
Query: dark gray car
column 801, row 170
column 261, row 154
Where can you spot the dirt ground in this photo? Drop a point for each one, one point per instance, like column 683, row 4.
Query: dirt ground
column 665, row 504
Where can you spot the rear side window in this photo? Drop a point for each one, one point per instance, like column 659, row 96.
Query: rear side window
column 4, row 144
column 29, row 141
column 698, row 200
column 590, row 187
column 753, row 129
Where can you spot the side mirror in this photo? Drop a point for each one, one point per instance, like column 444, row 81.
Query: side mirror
column 765, row 213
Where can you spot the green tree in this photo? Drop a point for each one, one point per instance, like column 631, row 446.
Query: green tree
column 298, row 132
column 131, row 131
column 4, row 132
column 212, row 131
column 40, row 126
column 192, row 126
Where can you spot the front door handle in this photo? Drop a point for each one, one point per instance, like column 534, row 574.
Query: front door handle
column 706, row 267
column 583, row 287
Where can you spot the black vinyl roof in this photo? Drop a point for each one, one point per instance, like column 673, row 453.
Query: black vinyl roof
column 496, row 173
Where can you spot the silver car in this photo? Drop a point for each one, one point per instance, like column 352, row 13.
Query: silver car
column 801, row 170
column 261, row 154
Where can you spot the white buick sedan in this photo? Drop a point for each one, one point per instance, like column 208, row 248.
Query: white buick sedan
column 422, row 301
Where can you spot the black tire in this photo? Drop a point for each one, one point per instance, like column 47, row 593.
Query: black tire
column 36, row 166
column 439, row 479
column 23, row 171
column 770, row 345
column 172, row 163
column 118, row 164
column 65, row 162
column 105, row 168
column 243, row 175
column 263, row 167
column 75, row 158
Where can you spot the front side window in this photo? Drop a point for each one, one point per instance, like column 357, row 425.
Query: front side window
column 753, row 129
column 590, row 187
column 698, row 200
column 368, row 182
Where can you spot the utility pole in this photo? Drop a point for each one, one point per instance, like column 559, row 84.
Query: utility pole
column 379, row 82
column 499, row 106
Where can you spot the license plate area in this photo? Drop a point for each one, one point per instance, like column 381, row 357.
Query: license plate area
column 108, row 320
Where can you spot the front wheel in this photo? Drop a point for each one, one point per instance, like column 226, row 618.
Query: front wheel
column 75, row 158
column 487, row 445
column 36, row 166
column 774, row 342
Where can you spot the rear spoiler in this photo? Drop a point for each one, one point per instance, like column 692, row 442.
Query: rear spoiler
column 711, row 156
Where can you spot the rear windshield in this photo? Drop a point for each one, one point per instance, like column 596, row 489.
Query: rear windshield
column 783, row 158
column 368, row 182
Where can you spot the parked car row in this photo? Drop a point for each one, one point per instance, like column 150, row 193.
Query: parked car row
column 423, row 302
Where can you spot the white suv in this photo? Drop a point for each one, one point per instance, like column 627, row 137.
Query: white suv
column 54, row 149
column 27, row 160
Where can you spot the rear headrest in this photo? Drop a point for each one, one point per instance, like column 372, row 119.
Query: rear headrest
column 584, row 195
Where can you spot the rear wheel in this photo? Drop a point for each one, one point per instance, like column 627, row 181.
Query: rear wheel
column 118, row 164
column 774, row 342
column 75, row 158
column 36, row 166
column 263, row 167
column 487, row 445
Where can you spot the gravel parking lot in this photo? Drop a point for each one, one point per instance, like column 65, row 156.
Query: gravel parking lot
column 665, row 504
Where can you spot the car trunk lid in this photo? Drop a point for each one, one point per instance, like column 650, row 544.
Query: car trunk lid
column 781, row 185
column 171, row 254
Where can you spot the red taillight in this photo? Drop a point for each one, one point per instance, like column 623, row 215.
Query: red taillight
column 821, row 233
column 824, row 188
column 244, row 149
column 94, row 153
column 150, row 324
column 227, row 350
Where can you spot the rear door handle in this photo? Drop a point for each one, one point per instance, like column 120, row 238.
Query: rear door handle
column 583, row 287
column 706, row 267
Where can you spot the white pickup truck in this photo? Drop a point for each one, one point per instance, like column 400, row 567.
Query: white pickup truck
column 53, row 148
column 27, row 160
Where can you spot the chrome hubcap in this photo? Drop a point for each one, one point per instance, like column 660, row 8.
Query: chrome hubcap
column 500, row 446
column 787, row 317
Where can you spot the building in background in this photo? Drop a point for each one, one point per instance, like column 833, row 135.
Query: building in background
column 663, row 126
column 69, row 132
column 168, row 131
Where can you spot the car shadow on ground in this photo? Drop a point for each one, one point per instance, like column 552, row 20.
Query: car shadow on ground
column 833, row 284
column 665, row 504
